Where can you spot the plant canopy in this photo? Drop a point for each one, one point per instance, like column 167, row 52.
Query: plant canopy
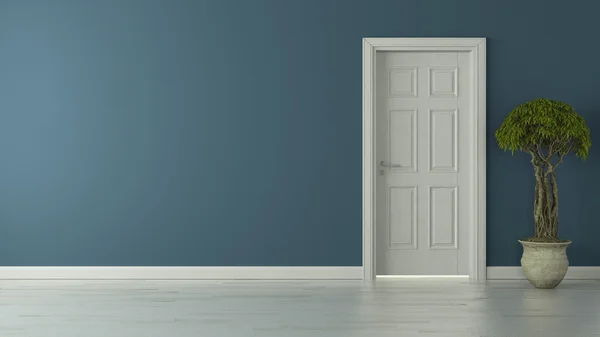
column 548, row 130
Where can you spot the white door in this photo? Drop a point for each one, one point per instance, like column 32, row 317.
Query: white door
column 422, row 116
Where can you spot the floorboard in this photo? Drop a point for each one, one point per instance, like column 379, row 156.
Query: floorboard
column 399, row 308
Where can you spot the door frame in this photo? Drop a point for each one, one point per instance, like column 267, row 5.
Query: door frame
column 476, row 47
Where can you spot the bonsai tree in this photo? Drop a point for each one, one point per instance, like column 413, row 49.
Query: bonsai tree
column 547, row 130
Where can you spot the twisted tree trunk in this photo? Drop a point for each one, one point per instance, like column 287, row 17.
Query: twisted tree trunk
column 545, row 205
column 554, row 216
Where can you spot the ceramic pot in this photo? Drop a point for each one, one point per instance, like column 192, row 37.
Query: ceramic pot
column 545, row 264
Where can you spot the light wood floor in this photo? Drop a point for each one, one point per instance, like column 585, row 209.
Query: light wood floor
column 399, row 308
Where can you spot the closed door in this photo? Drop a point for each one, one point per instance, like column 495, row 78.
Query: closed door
column 423, row 114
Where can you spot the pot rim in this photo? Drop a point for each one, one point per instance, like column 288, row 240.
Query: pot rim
column 546, row 244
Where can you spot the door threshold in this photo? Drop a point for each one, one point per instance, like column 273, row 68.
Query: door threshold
column 420, row 276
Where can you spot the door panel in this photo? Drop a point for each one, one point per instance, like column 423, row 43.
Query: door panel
column 402, row 218
column 442, row 141
column 442, row 217
column 421, row 106
column 403, row 139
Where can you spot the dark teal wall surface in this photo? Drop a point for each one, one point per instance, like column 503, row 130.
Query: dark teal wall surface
column 191, row 132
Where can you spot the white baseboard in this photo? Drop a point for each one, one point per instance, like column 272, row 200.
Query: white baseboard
column 181, row 273
column 516, row 273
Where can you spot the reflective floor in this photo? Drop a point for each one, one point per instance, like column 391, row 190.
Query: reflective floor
column 412, row 307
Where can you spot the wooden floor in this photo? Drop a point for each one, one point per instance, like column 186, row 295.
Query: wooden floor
column 399, row 308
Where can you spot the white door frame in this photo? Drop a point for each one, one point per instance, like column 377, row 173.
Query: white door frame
column 477, row 48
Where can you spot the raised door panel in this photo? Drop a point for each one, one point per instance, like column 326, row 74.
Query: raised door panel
column 402, row 219
column 443, row 214
column 403, row 140
column 443, row 151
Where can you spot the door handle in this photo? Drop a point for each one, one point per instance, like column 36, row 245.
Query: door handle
column 383, row 164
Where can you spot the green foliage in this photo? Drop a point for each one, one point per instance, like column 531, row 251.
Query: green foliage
column 548, row 131
column 553, row 125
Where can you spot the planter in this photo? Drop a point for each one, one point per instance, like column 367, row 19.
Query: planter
column 545, row 264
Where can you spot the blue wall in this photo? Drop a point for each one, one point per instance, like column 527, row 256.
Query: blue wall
column 190, row 132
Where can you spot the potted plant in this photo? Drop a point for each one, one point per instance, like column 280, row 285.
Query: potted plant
column 548, row 130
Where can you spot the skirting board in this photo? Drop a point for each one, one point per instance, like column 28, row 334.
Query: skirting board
column 516, row 273
column 181, row 273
